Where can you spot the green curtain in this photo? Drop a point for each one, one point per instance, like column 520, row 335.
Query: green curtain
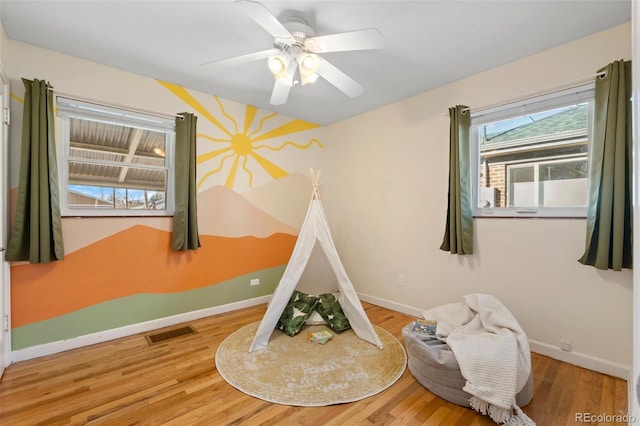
column 36, row 235
column 185, row 217
column 458, row 234
column 608, row 242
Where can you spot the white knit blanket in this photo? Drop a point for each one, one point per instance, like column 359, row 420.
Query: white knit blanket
column 492, row 351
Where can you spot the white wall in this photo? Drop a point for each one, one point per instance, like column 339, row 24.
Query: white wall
column 386, row 194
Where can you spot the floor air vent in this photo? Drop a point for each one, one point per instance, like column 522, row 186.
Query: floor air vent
column 163, row 336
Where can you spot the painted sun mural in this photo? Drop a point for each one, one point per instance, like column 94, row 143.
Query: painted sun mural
column 238, row 145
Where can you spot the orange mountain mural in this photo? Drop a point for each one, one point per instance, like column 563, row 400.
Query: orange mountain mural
column 136, row 260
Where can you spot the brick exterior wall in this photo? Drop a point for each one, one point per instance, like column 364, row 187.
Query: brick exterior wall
column 496, row 177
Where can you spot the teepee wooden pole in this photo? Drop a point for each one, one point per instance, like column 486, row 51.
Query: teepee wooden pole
column 315, row 181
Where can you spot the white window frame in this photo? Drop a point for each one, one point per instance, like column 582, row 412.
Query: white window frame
column 68, row 108
column 558, row 99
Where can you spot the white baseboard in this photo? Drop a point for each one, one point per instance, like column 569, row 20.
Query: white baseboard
column 576, row 358
column 582, row 360
column 116, row 333
column 398, row 307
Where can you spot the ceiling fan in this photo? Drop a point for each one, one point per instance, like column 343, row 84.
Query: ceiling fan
column 295, row 57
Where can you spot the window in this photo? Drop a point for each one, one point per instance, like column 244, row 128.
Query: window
column 114, row 162
column 531, row 159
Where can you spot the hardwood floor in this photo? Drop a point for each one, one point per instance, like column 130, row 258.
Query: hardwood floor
column 128, row 382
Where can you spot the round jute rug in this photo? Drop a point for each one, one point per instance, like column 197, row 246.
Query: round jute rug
column 293, row 371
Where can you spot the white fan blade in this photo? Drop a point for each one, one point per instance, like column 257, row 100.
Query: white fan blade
column 265, row 19
column 353, row 40
column 243, row 59
column 339, row 79
column 280, row 93
column 281, row 90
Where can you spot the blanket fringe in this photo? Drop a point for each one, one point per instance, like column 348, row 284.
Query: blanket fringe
column 515, row 417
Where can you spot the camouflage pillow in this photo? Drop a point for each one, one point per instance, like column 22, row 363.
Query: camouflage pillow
column 329, row 308
column 296, row 312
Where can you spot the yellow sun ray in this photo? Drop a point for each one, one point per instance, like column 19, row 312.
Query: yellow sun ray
column 244, row 167
column 211, row 138
column 231, row 178
column 209, row 155
column 278, row 148
column 182, row 93
column 293, row 126
column 261, row 124
column 249, row 116
column 273, row 170
column 16, row 98
column 212, row 172
column 235, row 123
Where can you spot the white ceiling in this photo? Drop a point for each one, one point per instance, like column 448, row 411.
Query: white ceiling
column 428, row 43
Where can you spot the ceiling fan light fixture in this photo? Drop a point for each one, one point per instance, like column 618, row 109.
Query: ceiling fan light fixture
column 277, row 65
column 308, row 78
column 307, row 65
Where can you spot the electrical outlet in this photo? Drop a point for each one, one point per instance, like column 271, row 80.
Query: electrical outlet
column 255, row 281
column 566, row 345
column 400, row 280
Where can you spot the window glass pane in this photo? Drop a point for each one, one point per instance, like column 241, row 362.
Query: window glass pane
column 521, row 174
column 543, row 123
column 564, row 170
column 522, row 191
column 125, row 176
column 103, row 197
column 111, row 142
column 563, row 183
column 522, row 159
column 83, row 196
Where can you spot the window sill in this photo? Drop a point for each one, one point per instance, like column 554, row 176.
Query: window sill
column 93, row 216
column 507, row 216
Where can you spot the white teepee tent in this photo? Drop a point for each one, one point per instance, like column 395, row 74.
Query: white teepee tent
column 315, row 228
